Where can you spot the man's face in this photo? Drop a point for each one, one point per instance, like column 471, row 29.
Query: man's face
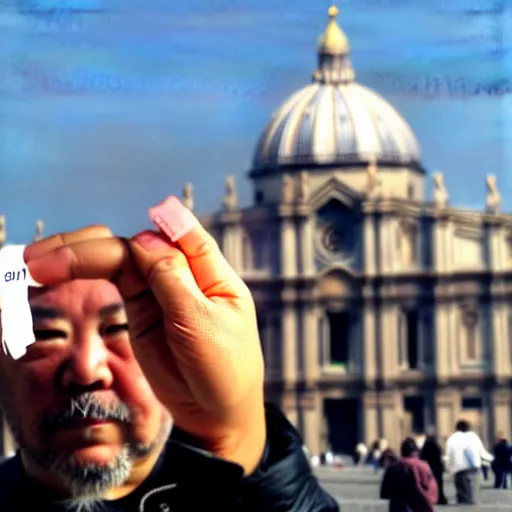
column 78, row 403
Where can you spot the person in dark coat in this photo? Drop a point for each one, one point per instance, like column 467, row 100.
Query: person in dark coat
column 501, row 465
column 110, row 414
column 432, row 454
column 409, row 484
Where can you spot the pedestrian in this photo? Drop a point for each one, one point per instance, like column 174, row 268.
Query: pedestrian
column 432, row 454
column 465, row 453
column 409, row 484
column 501, row 465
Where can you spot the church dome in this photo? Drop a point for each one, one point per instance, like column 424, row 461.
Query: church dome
column 335, row 120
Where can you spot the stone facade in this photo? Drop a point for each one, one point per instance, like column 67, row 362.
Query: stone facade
column 378, row 317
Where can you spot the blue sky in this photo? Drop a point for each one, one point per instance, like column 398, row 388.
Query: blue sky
column 108, row 106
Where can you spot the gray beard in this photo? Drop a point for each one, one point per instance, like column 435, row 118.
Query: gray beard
column 86, row 483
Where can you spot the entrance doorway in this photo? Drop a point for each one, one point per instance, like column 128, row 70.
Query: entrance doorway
column 414, row 407
column 342, row 418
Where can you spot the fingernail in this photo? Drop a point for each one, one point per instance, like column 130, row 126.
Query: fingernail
column 151, row 241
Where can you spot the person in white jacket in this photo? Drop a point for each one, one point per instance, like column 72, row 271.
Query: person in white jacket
column 465, row 453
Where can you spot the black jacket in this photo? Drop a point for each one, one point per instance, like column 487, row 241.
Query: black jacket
column 186, row 478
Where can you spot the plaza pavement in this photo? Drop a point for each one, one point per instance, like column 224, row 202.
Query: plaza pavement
column 357, row 490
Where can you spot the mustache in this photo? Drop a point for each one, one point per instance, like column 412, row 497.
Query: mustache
column 86, row 406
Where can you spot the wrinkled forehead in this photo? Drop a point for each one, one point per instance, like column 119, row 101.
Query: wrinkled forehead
column 79, row 297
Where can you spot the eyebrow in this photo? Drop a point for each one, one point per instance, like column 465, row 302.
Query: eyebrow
column 46, row 313
column 111, row 309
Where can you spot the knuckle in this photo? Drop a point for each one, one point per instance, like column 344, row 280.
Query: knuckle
column 100, row 231
column 170, row 262
column 207, row 245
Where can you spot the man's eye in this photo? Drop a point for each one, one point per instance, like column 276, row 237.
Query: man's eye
column 48, row 334
column 114, row 329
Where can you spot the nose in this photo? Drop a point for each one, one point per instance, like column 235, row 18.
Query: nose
column 87, row 364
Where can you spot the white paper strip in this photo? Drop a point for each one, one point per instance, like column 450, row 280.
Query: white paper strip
column 16, row 317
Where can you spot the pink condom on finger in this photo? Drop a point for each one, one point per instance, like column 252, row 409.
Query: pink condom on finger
column 173, row 218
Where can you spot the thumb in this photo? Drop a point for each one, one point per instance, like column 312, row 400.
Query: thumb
column 166, row 270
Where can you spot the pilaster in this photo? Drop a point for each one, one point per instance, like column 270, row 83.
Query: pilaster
column 500, row 349
column 496, row 246
column 311, row 338
column 387, row 244
column 501, row 413
column 371, row 431
column 288, row 249
column 232, row 239
column 390, row 418
column 442, row 245
column 370, row 340
column 389, row 341
column 290, row 407
column 306, row 244
column 447, row 405
column 311, row 421
column 370, row 252
column 442, row 341
column 290, row 347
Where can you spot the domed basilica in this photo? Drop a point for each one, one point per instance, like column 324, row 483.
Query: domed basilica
column 381, row 312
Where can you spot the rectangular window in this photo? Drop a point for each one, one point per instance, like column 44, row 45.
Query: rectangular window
column 339, row 338
column 408, row 339
column 427, row 341
column 412, row 340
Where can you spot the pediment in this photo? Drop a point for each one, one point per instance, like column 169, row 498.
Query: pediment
column 334, row 189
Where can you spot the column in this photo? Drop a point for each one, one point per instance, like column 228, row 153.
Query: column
column 288, row 252
column 389, row 342
column 447, row 404
column 370, row 341
column 496, row 247
column 232, row 243
column 290, row 407
column 311, row 351
column 499, row 341
column 442, row 341
column 390, row 418
column 312, row 413
column 386, row 244
column 369, row 249
column 441, row 245
column 453, row 338
column 370, row 418
column 307, row 246
column 501, row 413
column 290, row 347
